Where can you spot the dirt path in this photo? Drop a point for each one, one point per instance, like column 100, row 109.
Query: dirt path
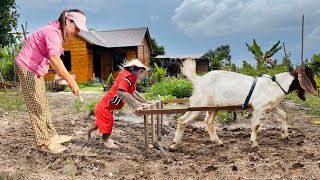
column 297, row 158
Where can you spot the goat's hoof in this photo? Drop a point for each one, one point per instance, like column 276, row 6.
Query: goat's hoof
column 174, row 146
column 218, row 143
column 285, row 137
column 254, row 143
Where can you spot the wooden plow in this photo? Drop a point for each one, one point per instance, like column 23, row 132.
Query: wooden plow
column 153, row 118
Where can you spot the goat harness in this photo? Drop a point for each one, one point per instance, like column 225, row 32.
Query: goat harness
column 273, row 78
column 246, row 102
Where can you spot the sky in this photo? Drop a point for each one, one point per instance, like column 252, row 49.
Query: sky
column 192, row 27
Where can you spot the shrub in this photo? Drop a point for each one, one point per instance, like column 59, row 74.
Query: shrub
column 109, row 82
column 159, row 73
column 142, row 86
column 174, row 87
column 7, row 56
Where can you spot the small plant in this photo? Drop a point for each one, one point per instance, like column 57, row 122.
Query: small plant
column 226, row 117
column 159, row 73
column 77, row 104
column 109, row 82
column 119, row 111
column 72, row 175
column 91, row 106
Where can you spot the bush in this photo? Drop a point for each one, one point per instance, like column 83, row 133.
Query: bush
column 7, row 56
column 159, row 73
column 174, row 87
column 143, row 85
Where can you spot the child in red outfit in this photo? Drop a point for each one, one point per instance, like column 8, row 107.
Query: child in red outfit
column 123, row 91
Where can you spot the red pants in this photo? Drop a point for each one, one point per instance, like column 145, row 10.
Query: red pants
column 104, row 119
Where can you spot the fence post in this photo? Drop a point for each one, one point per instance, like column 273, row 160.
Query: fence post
column 158, row 120
column 153, row 130
column 146, row 135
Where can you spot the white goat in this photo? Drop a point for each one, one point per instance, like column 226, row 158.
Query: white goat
column 218, row 88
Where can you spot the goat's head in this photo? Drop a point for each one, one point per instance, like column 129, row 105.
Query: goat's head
column 303, row 82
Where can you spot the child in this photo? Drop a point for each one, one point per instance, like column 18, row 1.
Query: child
column 123, row 91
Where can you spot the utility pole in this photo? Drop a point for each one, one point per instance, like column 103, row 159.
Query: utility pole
column 302, row 40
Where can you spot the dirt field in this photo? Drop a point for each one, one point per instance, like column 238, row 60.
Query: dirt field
column 296, row 158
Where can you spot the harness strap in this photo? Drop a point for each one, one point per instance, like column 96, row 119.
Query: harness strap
column 273, row 78
column 246, row 102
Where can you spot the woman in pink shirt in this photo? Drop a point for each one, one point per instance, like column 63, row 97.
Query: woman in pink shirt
column 42, row 48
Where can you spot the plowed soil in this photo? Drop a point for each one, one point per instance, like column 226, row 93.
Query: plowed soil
column 198, row 158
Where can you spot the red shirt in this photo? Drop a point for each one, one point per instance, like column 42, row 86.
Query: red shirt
column 125, row 81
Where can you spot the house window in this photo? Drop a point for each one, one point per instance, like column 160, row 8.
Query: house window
column 66, row 59
column 118, row 59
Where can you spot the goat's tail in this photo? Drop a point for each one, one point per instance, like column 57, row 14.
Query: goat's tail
column 188, row 68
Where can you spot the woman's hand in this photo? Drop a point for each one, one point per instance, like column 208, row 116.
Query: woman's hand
column 74, row 87
column 61, row 70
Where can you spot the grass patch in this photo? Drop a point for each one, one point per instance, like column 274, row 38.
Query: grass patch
column 11, row 100
column 88, row 87
column 312, row 103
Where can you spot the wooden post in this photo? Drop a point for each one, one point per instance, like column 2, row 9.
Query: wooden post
column 153, row 130
column 158, row 121
column 302, row 31
column 146, row 135
column 161, row 119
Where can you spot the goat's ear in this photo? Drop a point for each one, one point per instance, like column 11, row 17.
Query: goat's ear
column 305, row 83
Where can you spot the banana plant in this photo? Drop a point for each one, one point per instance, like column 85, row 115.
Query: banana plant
column 159, row 73
column 261, row 57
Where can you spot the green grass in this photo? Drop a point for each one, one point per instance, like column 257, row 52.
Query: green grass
column 11, row 100
column 88, row 87
column 312, row 103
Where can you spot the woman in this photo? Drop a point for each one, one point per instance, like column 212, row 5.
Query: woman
column 42, row 48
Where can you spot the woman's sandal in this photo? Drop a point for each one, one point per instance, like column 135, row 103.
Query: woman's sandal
column 62, row 139
column 53, row 147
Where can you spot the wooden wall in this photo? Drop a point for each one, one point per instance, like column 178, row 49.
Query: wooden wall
column 81, row 54
column 144, row 52
column 202, row 66
column 81, row 60
column 106, row 63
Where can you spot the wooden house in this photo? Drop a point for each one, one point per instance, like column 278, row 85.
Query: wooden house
column 99, row 53
column 172, row 63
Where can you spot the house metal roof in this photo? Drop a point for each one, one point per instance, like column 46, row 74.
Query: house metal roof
column 192, row 56
column 116, row 37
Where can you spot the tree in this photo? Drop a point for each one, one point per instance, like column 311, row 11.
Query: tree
column 157, row 50
column 210, row 56
column 315, row 64
column 248, row 69
column 286, row 62
column 223, row 55
column 8, row 21
column 219, row 58
column 263, row 58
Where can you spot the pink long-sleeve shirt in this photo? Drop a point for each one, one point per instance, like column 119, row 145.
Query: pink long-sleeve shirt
column 38, row 49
